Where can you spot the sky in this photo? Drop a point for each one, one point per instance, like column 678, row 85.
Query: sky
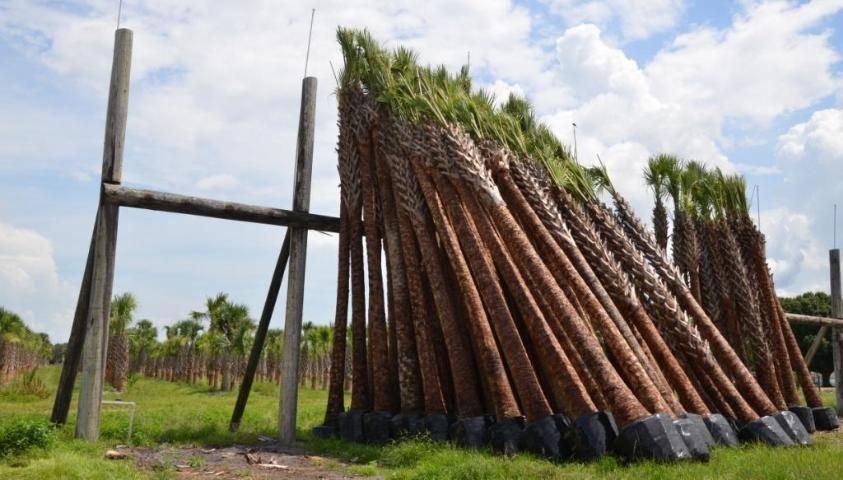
column 747, row 86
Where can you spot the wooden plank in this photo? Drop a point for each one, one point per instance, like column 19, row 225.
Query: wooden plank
column 298, row 256
column 205, row 207
column 105, row 242
column 815, row 345
column 837, row 312
column 260, row 334
column 813, row 320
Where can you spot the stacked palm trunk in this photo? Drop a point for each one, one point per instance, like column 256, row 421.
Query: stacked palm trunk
column 515, row 308
column 720, row 253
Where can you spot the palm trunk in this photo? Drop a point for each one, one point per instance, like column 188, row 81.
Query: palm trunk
column 398, row 241
column 663, row 308
column 560, row 263
column 747, row 307
column 660, row 224
column 336, row 398
column 488, row 356
column 752, row 249
column 727, row 356
column 378, row 343
column 567, row 391
column 562, row 252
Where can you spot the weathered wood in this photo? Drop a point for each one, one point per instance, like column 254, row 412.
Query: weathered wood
column 815, row 345
column 813, row 320
column 173, row 202
column 837, row 312
column 105, row 242
column 260, row 334
column 73, row 353
column 298, row 256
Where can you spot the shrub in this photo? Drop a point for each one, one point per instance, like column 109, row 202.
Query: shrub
column 27, row 384
column 22, row 435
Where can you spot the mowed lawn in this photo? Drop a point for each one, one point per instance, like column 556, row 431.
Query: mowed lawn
column 190, row 415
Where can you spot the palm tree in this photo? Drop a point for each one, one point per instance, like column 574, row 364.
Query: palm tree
column 117, row 364
column 143, row 337
column 349, row 167
column 656, row 176
column 744, row 380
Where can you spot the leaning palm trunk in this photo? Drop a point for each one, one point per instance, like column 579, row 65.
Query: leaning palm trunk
column 532, row 400
column 731, row 324
column 664, row 310
column 335, row 390
column 469, row 167
column 638, row 371
column 727, row 356
column 747, row 307
column 490, row 363
column 752, row 251
column 415, row 226
column 382, row 399
column 360, row 390
column 398, row 240
column 565, row 388
column 620, row 287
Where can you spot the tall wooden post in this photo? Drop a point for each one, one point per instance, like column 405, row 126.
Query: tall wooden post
column 298, row 256
column 260, row 335
column 105, row 242
column 836, row 312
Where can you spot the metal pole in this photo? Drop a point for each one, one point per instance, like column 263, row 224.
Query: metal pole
column 298, row 255
column 260, row 334
column 105, row 241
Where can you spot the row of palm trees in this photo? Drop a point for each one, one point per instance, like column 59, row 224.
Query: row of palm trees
column 211, row 346
column 21, row 349
column 510, row 289
column 720, row 253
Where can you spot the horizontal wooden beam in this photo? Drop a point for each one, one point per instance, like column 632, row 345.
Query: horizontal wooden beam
column 205, row 207
column 812, row 320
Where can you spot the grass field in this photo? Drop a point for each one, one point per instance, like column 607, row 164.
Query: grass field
column 188, row 415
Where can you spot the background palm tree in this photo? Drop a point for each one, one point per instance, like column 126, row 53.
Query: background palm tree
column 143, row 337
column 117, row 365
column 656, row 175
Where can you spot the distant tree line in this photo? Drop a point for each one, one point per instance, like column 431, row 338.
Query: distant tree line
column 21, row 349
column 818, row 304
column 210, row 345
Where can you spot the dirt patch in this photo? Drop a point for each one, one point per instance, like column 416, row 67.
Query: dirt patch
column 262, row 461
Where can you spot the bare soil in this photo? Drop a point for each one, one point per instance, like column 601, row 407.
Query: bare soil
column 263, row 461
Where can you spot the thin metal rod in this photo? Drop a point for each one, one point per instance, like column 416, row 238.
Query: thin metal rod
column 119, row 12
column 309, row 37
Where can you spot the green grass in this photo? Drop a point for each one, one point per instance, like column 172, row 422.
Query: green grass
column 190, row 415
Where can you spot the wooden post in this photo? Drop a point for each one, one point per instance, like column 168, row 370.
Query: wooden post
column 260, row 334
column 76, row 342
column 836, row 312
column 815, row 345
column 298, row 255
column 105, row 242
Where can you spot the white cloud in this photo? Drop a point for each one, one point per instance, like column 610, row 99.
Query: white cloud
column 794, row 253
column 769, row 62
column 635, row 19
column 502, row 90
column 821, row 138
column 222, row 181
column 29, row 281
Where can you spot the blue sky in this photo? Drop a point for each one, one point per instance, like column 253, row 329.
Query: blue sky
column 748, row 86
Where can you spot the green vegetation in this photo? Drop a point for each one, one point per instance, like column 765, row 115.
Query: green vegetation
column 192, row 415
column 812, row 303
